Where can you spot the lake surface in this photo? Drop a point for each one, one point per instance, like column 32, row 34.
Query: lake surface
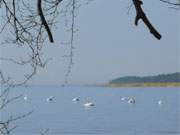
column 109, row 116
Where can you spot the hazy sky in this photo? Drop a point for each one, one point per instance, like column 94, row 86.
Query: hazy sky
column 108, row 45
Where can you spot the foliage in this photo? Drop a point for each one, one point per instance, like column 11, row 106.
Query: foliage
column 161, row 78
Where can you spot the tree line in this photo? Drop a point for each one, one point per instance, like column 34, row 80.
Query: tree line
column 161, row 78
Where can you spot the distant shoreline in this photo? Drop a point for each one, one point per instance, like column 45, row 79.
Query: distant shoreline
column 163, row 84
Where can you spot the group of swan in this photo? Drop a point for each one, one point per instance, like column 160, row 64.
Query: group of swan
column 129, row 100
column 51, row 98
column 133, row 101
column 86, row 104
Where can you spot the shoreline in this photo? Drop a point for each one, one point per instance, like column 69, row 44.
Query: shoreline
column 169, row 84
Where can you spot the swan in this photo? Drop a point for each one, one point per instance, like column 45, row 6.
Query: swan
column 160, row 102
column 25, row 97
column 88, row 104
column 131, row 101
column 75, row 99
column 123, row 98
column 50, row 98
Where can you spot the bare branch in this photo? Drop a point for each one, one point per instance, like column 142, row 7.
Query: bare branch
column 141, row 15
column 43, row 20
column 168, row 2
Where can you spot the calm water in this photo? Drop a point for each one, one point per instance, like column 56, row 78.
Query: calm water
column 109, row 116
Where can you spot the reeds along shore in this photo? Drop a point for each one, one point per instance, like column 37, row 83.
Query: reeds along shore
column 169, row 84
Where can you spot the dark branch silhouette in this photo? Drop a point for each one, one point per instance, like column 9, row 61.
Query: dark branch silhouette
column 141, row 15
column 171, row 3
column 43, row 20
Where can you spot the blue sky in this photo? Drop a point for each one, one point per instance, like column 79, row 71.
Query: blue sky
column 108, row 45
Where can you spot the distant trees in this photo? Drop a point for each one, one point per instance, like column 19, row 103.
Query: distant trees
column 162, row 78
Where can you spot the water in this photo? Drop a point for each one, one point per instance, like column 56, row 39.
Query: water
column 109, row 116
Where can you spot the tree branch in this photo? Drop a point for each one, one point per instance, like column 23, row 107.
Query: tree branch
column 168, row 2
column 141, row 15
column 43, row 20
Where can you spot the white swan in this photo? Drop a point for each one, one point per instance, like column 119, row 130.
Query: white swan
column 131, row 101
column 75, row 99
column 50, row 98
column 160, row 102
column 88, row 104
column 25, row 97
column 123, row 98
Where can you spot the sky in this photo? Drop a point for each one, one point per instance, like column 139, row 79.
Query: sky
column 108, row 45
